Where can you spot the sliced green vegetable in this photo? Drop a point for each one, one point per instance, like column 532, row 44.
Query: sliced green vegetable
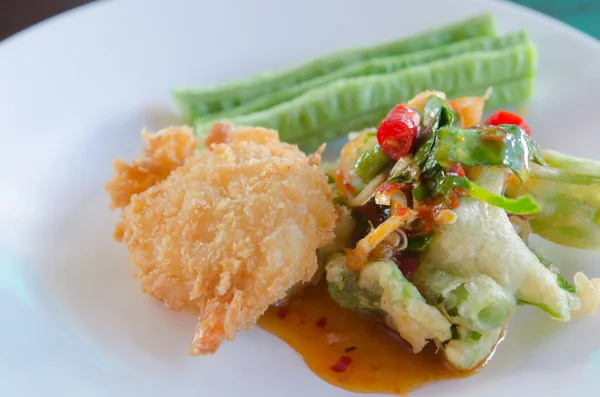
column 420, row 192
column 371, row 163
column 473, row 335
column 343, row 287
column 504, row 145
column 468, row 349
column 327, row 112
column 199, row 101
column 353, row 151
column 439, row 109
column 380, row 286
column 477, row 303
column 569, row 201
column 418, row 243
column 523, row 205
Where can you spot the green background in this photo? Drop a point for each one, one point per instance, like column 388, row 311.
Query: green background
column 581, row 14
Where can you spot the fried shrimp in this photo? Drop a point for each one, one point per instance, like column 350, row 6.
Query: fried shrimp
column 230, row 231
column 166, row 151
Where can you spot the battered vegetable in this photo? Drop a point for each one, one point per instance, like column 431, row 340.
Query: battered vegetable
column 440, row 202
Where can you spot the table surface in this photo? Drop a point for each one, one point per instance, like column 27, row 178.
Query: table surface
column 16, row 15
column 581, row 14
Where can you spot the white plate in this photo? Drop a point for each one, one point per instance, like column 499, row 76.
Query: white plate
column 74, row 94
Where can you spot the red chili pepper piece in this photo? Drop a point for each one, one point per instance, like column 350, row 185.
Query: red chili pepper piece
column 408, row 265
column 454, row 203
column 401, row 212
column 282, row 312
column 504, row 117
column 388, row 187
column 398, row 130
column 342, row 365
column 456, row 169
column 321, row 322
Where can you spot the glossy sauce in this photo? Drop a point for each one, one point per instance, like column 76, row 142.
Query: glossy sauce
column 380, row 361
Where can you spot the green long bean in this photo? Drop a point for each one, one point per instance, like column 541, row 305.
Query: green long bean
column 370, row 67
column 206, row 100
column 332, row 110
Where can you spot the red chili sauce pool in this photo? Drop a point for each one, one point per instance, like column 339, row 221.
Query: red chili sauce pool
column 351, row 352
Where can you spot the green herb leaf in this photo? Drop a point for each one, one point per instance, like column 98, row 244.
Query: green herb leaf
column 371, row 163
column 461, row 293
column 441, row 184
column 474, row 335
column 454, row 330
column 452, row 312
column 418, row 243
column 562, row 283
column 524, row 205
column 420, row 192
column 540, row 306
column 438, row 109
column 504, row 145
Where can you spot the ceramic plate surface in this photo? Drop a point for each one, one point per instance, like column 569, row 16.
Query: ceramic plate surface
column 75, row 92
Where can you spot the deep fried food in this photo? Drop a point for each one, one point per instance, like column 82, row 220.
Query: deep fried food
column 229, row 232
column 166, row 151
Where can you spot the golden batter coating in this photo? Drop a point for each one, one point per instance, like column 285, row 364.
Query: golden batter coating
column 166, row 151
column 230, row 231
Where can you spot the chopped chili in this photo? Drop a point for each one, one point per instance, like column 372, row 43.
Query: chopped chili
column 407, row 265
column 504, row 117
column 398, row 130
column 456, row 169
column 342, row 364
column 454, row 203
column 321, row 322
column 282, row 312
column 390, row 186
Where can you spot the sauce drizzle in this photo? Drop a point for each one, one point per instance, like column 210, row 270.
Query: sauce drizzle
column 373, row 359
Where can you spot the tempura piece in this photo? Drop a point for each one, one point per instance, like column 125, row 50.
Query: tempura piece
column 380, row 286
column 489, row 245
column 231, row 231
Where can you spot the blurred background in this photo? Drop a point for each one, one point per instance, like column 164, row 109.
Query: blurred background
column 16, row 15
